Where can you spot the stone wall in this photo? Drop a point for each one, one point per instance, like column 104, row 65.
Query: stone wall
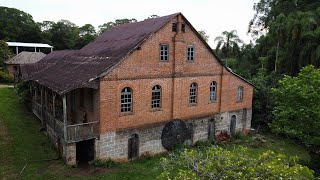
column 114, row 145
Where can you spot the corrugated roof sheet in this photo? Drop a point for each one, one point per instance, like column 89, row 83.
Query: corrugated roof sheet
column 63, row 71
column 26, row 58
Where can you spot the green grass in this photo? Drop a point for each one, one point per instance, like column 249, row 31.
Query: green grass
column 22, row 143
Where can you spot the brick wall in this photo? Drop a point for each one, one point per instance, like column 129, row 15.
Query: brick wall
column 142, row 69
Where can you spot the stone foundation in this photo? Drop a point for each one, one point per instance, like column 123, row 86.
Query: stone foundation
column 114, row 145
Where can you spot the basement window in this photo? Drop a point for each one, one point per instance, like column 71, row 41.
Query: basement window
column 174, row 27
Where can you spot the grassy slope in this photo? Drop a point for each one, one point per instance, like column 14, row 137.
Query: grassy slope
column 23, row 143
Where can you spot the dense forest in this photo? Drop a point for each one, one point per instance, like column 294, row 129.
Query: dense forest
column 282, row 62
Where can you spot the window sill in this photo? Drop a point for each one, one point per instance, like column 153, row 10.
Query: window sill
column 214, row 101
column 155, row 109
column 125, row 114
column 239, row 101
column 164, row 61
column 190, row 61
column 193, row 104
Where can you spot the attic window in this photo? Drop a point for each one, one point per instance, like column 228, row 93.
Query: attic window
column 183, row 27
column 174, row 27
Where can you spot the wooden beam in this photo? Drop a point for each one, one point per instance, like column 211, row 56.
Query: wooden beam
column 64, row 102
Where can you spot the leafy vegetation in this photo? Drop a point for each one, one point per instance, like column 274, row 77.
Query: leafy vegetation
column 297, row 104
column 5, row 54
column 218, row 163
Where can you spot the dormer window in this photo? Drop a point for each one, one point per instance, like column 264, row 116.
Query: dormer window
column 183, row 27
column 174, row 27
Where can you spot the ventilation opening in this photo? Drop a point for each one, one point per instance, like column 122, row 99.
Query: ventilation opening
column 183, row 27
column 85, row 151
column 174, row 27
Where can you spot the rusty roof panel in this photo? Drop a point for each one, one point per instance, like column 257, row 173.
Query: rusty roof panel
column 65, row 70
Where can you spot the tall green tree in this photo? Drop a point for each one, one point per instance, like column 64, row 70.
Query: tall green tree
column 87, row 34
column 228, row 43
column 65, row 35
column 108, row 25
column 16, row 25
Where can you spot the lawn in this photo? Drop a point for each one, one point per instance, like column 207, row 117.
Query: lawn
column 22, row 143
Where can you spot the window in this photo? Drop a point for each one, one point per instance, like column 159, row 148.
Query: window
column 164, row 52
column 190, row 53
column 213, row 94
column 193, row 93
column 156, row 97
column 183, row 27
column 174, row 27
column 90, row 100
column 126, row 100
column 240, row 93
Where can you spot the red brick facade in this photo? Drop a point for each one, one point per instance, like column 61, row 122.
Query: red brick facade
column 142, row 70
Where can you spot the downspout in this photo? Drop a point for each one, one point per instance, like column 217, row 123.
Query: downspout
column 220, row 94
column 174, row 68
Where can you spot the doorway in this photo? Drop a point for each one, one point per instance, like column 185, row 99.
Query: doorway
column 211, row 130
column 233, row 125
column 133, row 147
column 85, row 151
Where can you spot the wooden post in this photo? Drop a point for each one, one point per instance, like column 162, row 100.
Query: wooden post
column 41, row 101
column 64, row 102
column 53, row 104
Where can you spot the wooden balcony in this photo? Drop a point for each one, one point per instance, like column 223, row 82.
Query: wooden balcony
column 69, row 133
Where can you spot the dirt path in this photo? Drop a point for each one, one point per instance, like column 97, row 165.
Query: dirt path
column 6, row 86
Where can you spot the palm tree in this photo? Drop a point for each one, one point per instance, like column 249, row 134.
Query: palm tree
column 229, row 43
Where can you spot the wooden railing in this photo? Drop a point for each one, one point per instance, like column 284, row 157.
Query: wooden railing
column 36, row 109
column 82, row 131
column 75, row 132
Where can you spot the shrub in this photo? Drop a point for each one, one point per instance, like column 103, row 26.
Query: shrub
column 5, row 77
column 23, row 90
column 296, row 107
column 219, row 163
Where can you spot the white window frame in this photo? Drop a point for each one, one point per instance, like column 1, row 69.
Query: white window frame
column 191, row 53
column 164, row 52
column 213, row 91
column 156, row 97
column 126, row 100
column 240, row 94
column 193, row 93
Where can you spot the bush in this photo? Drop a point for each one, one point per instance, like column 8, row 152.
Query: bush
column 23, row 90
column 219, row 163
column 297, row 105
column 5, row 77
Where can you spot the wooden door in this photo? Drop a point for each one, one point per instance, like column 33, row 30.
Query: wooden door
column 133, row 147
column 233, row 125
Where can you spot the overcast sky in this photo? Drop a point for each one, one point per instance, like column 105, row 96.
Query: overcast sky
column 213, row 16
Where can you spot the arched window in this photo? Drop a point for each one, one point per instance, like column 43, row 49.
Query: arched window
column 240, row 93
column 213, row 90
column 126, row 100
column 156, row 97
column 193, row 93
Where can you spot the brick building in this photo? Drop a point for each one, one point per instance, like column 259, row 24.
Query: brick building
column 138, row 88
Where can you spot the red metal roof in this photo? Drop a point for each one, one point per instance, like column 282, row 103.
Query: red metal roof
column 63, row 71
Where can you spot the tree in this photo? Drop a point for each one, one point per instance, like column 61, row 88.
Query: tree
column 204, row 35
column 65, row 35
column 108, row 25
column 296, row 106
column 5, row 54
column 228, row 43
column 87, row 34
column 16, row 25
column 218, row 163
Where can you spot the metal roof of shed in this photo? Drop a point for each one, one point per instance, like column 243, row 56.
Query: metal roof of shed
column 21, row 44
